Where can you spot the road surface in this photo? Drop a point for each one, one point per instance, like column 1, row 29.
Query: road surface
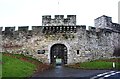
column 60, row 72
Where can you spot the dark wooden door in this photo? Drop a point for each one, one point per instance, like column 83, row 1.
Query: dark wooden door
column 58, row 51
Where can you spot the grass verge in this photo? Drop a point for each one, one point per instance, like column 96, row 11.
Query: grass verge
column 13, row 67
column 20, row 66
column 97, row 64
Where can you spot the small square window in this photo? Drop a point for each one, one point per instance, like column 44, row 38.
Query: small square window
column 41, row 51
column 77, row 52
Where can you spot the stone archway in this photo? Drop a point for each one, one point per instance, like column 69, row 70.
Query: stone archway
column 58, row 51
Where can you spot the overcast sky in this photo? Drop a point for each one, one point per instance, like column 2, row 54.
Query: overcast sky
column 29, row 12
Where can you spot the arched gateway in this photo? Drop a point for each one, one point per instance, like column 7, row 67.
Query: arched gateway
column 58, row 51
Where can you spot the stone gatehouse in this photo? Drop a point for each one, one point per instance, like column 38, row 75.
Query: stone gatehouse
column 61, row 38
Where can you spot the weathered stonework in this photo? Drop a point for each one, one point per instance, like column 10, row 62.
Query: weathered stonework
column 82, row 45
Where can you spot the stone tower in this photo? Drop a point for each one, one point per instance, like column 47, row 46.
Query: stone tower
column 103, row 22
column 59, row 20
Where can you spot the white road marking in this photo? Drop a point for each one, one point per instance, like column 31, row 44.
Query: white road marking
column 118, row 72
column 111, row 74
column 104, row 74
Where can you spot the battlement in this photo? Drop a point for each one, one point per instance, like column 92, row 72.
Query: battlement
column 23, row 28
column 59, row 24
column 10, row 28
column 59, row 20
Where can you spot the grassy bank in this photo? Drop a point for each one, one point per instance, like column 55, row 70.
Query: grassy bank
column 98, row 64
column 13, row 67
column 16, row 65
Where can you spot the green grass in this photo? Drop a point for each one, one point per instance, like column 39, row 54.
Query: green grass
column 14, row 67
column 96, row 65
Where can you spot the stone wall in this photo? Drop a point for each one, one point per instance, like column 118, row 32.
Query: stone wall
column 91, row 44
column 82, row 45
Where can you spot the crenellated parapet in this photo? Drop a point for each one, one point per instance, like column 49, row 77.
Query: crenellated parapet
column 40, row 30
column 37, row 30
column 59, row 20
column 9, row 31
column 59, row 24
column 23, row 28
column 107, row 27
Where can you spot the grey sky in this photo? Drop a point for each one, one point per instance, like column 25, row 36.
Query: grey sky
column 29, row 12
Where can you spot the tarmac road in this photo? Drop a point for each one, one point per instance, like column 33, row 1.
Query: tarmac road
column 61, row 72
